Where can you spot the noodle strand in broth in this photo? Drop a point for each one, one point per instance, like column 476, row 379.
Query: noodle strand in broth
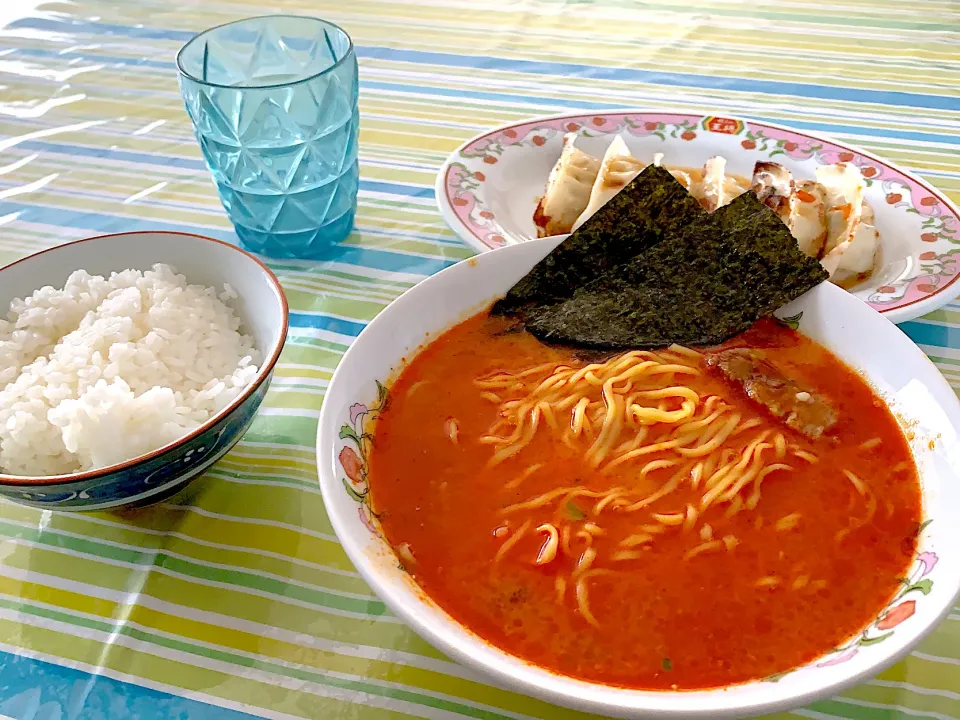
column 602, row 516
column 633, row 414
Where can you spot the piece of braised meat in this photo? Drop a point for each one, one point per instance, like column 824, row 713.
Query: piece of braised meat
column 764, row 383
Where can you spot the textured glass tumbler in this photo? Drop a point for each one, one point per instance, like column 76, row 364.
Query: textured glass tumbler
column 273, row 102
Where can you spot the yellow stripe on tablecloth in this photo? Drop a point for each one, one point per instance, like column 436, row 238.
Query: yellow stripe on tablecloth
column 208, row 644
column 250, row 556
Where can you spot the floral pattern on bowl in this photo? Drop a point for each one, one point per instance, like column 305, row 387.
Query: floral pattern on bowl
column 354, row 455
column 894, row 613
column 489, row 187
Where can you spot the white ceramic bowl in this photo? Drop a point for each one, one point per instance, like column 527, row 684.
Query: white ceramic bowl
column 262, row 309
column 895, row 367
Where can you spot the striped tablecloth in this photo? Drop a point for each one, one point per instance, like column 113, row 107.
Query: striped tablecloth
column 239, row 601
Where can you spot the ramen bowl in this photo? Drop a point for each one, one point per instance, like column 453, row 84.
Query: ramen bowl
column 897, row 370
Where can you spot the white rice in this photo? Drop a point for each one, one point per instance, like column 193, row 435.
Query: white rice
column 108, row 369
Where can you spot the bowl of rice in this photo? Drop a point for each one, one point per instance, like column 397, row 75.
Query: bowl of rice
column 130, row 363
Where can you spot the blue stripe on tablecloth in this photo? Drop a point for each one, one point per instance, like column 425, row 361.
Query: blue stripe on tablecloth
column 194, row 164
column 657, row 77
column 37, row 690
column 552, row 69
column 556, row 103
column 101, row 223
column 113, row 60
column 923, row 333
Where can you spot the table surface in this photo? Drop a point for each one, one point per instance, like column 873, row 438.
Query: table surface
column 239, row 601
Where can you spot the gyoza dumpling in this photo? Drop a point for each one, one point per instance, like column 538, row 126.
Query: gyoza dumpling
column 679, row 175
column 716, row 188
column 568, row 190
column 617, row 168
column 856, row 257
column 710, row 192
column 808, row 218
column 682, row 177
column 843, row 194
column 773, row 185
column 853, row 242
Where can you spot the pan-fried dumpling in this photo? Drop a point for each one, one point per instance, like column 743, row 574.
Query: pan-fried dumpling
column 716, row 188
column 568, row 190
column 680, row 176
column 855, row 258
column 808, row 219
column 853, row 243
column 617, row 168
column 711, row 187
column 843, row 193
column 773, row 185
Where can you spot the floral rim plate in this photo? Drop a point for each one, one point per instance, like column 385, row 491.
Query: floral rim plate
column 488, row 189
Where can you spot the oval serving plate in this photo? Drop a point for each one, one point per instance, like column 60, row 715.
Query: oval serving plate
column 488, row 189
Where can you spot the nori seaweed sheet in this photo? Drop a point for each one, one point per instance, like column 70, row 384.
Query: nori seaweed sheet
column 650, row 207
column 748, row 223
column 700, row 286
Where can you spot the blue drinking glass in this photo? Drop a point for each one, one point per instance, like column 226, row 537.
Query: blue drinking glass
column 273, row 102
